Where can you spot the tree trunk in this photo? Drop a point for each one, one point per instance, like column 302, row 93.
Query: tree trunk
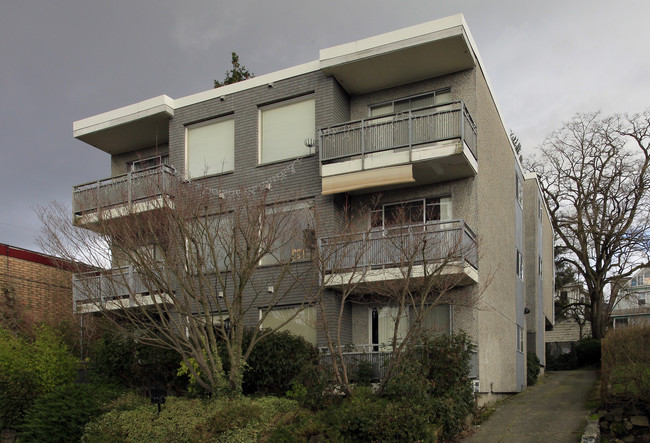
column 597, row 330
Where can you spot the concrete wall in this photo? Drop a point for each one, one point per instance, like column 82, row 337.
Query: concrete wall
column 498, row 316
column 535, row 321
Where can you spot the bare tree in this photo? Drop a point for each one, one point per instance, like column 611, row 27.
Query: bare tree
column 409, row 267
column 190, row 267
column 594, row 175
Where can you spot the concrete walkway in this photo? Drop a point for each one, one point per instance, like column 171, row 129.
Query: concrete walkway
column 554, row 410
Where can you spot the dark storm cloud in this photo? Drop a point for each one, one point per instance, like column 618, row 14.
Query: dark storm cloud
column 62, row 61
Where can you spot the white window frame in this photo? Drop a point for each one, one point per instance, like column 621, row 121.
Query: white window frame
column 227, row 163
column 519, row 270
column 303, row 150
column 425, row 204
column 391, row 103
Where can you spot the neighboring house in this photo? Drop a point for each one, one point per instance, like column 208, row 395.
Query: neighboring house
column 633, row 306
column 34, row 287
column 571, row 326
column 405, row 119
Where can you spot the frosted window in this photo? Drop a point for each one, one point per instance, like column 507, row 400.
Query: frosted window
column 210, row 148
column 303, row 324
column 284, row 128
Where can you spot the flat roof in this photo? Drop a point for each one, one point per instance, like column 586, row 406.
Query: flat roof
column 391, row 59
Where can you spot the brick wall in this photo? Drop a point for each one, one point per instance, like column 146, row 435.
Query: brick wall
column 41, row 289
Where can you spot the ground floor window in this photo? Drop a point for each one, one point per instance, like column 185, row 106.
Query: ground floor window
column 520, row 339
column 303, row 322
column 383, row 319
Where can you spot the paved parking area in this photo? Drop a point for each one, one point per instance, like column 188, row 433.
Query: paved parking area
column 554, row 410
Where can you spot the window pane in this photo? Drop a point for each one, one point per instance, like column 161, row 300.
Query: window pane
column 443, row 97
column 437, row 320
column 377, row 110
column 211, row 148
column 423, row 101
column 439, row 208
column 387, row 318
column 303, row 324
column 210, row 240
column 404, row 214
column 292, row 233
column 284, row 130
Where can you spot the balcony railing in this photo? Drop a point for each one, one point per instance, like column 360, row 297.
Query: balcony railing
column 400, row 130
column 98, row 288
column 124, row 190
column 378, row 357
column 449, row 240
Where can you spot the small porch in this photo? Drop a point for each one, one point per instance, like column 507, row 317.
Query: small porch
column 415, row 147
column 444, row 249
column 117, row 288
column 131, row 193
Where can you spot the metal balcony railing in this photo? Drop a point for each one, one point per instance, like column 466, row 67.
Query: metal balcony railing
column 378, row 357
column 123, row 190
column 400, row 130
column 399, row 246
column 99, row 287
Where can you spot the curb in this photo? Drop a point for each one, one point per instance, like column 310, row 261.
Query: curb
column 592, row 432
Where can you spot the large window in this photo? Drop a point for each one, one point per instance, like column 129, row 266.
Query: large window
column 290, row 228
column 410, row 103
column 414, row 212
column 303, row 322
column 208, row 244
column 210, row 147
column 383, row 321
column 437, row 320
column 284, row 127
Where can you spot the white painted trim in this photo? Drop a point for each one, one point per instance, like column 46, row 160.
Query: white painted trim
column 136, row 111
column 392, row 41
column 254, row 82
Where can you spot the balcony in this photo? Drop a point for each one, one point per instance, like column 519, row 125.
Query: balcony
column 118, row 288
column 416, row 147
column 114, row 197
column 368, row 258
column 377, row 356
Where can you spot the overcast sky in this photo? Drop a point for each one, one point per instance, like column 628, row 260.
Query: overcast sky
column 64, row 60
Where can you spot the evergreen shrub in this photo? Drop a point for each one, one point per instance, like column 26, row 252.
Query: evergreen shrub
column 532, row 368
column 276, row 362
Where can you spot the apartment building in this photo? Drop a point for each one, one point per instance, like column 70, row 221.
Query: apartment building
column 404, row 122
column 632, row 307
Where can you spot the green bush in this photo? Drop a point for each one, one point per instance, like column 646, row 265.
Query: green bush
column 185, row 420
column 626, row 367
column 30, row 368
column 434, row 376
column 276, row 361
column 364, row 373
column 121, row 359
column 532, row 368
column 60, row 415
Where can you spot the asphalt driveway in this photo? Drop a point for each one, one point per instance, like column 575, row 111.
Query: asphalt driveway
column 554, row 410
